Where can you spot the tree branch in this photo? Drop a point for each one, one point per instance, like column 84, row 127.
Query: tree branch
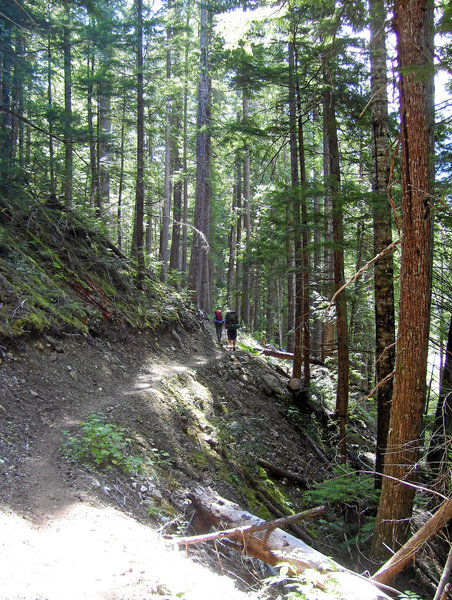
column 397, row 562
column 358, row 273
column 242, row 531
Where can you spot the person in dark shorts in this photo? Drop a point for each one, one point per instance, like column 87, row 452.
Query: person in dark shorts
column 231, row 323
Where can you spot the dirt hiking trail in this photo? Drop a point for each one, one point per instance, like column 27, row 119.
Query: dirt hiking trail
column 63, row 534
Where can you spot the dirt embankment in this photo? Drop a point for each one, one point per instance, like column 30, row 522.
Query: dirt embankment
column 78, row 533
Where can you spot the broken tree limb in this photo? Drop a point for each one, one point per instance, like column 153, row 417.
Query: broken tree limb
column 317, row 450
column 276, row 546
column 442, row 585
column 403, row 556
column 239, row 532
column 358, row 273
column 277, row 354
column 282, row 472
column 300, row 533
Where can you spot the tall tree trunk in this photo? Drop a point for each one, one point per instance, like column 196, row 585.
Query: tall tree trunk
column 94, row 192
column 121, row 175
column 139, row 188
column 164, row 232
column 329, row 328
column 270, row 309
column 296, row 212
column 175, row 257
column 104, row 143
column 304, row 259
column 339, row 278
column 317, row 235
column 238, row 262
column 255, row 323
column 149, row 202
column 246, row 288
column 67, row 121
column 17, row 144
column 384, row 268
column 413, row 21
column 185, row 156
column 6, row 118
column 230, row 291
column 198, row 280
column 52, row 189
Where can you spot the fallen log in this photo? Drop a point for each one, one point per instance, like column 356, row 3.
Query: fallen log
column 275, row 546
column 280, row 472
column 239, row 532
column 286, row 355
column 277, row 354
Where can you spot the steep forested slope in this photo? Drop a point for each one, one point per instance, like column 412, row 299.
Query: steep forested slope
column 119, row 399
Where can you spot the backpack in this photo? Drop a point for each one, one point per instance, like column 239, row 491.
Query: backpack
column 218, row 318
column 232, row 320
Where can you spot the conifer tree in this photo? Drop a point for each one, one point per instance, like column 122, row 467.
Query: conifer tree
column 413, row 24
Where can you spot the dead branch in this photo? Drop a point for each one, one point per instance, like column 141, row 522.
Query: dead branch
column 358, row 273
column 379, row 384
column 240, row 532
column 401, row 558
column 441, row 591
column 277, row 354
column 275, row 546
column 282, row 472
column 317, row 450
column 20, row 305
column 384, row 351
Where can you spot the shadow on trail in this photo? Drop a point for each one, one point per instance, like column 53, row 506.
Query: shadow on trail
column 44, row 393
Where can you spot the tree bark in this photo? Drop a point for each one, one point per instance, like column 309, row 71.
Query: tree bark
column 304, row 261
column 164, row 232
column 341, row 304
column 230, row 293
column 246, row 287
column 6, row 116
column 50, row 119
column 121, row 176
column 414, row 55
column 184, row 251
column 175, row 256
column 296, row 212
column 67, row 121
column 236, row 304
column 94, row 190
column 199, row 265
column 384, row 269
column 139, row 189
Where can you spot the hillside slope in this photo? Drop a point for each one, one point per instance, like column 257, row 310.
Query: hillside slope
column 199, row 415
column 115, row 403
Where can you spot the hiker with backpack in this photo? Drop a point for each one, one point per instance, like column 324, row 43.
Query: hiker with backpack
column 218, row 322
column 231, row 323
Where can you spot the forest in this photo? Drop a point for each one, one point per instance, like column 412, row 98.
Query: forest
column 288, row 160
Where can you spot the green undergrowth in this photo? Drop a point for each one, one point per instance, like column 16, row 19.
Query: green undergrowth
column 59, row 272
column 103, row 445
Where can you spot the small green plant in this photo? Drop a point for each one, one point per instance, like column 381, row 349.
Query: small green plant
column 307, row 585
column 101, row 444
column 350, row 495
column 346, row 486
column 407, row 595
